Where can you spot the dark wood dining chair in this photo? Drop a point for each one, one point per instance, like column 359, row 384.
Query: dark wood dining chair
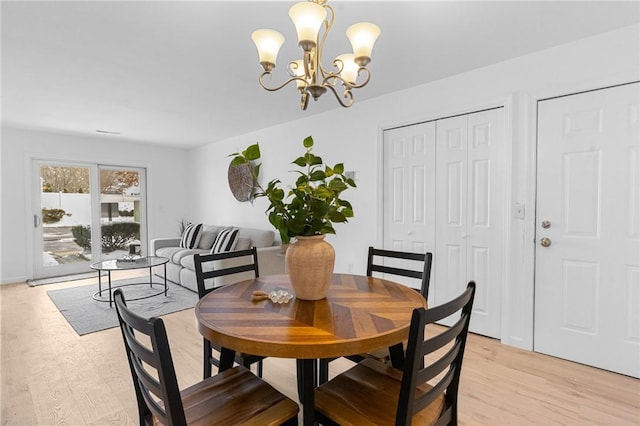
column 235, row 396
column 375, row 263
column 208, row 266
column 423, row 274
column 374, row 393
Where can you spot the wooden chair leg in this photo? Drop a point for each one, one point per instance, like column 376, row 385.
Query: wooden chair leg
column 323, row 374
column 207, row 359
column 260, row 368
column 299, row 380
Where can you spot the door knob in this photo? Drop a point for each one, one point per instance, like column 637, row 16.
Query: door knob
column 545, row 242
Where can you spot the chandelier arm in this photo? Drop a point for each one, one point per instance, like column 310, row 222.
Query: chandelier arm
column 366, row 81
column 273, row 89
column 328, row 24
column 331, row 79
column 346, row 95
column 335, row 76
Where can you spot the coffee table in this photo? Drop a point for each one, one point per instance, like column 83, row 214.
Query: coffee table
column 119, row 265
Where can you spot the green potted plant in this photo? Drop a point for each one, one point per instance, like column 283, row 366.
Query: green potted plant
column 306, row 212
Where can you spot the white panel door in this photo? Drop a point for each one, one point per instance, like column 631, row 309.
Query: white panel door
column 409, row 191
column 469, row 214
column 587, row 282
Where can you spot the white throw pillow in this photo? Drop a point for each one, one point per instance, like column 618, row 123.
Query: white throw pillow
column 191, row 236
column 225, row 241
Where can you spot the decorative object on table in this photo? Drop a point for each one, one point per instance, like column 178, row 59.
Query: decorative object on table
column 134, row 249
column 129, row 258
column 312, row 79
column 310, row 261
column 276, row 296
column 307, row 212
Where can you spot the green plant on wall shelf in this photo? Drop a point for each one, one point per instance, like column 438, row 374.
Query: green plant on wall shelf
column 313, row 205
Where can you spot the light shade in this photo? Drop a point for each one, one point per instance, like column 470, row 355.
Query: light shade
column 349, row 71
column 307, row 17
column 362, row 37
column 268, row 43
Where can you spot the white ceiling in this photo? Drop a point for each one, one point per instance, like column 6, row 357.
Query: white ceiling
column 184, row 73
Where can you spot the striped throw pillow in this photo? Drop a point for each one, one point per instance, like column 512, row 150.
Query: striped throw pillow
column 191, row 236
column 225, row 241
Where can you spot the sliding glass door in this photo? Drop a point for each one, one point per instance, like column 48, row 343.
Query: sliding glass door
column 84, row 213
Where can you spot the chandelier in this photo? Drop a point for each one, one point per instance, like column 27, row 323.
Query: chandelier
column 313, row 21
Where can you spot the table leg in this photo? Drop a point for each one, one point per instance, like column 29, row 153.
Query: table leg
column 227, row 357
column 150, row 277
column 100, row 282
column 165, row 279
column 109, row 275
column 307, row 378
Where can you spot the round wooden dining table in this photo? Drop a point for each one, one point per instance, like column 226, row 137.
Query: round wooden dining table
column 360, row 314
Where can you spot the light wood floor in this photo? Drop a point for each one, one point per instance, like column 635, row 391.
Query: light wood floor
column 50, row 375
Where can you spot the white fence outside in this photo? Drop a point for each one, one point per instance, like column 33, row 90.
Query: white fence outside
column 78, row 206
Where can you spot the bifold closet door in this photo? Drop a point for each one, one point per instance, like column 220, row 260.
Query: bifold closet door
column 409, row 191
column 469, row 213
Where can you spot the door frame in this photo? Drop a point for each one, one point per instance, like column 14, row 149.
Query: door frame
column 31, row 157
column 507, row 104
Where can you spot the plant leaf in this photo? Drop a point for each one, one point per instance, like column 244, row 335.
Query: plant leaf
column 300, row 161
column 339, row 168
column 252, row 152
column 337, row 217
column 337, row 185
column 323, row 192
column 317, row 175
column 238, row 160
column 347, row 212
column 308, row 142
column 328, row 171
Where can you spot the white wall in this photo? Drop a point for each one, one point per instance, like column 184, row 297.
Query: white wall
column 353, row 136
column 166, row 179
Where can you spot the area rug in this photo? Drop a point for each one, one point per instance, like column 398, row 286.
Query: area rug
column 54, row 280
column 87, row 315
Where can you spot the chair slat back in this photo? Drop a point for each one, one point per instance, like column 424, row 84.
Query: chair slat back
column 152, row 369
column 445, row 368
column 424, row 274
column 251, row 264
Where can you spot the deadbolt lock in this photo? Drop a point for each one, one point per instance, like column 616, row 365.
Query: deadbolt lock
column 545, row 242
column 546, row 224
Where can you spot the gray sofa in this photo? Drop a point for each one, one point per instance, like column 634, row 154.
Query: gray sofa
column 181, row 268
